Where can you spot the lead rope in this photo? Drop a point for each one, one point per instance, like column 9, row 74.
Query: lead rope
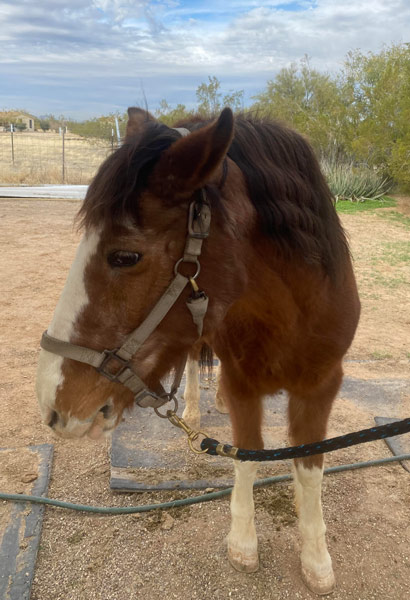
column 215, row 448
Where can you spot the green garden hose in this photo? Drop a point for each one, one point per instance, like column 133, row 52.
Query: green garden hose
column 126, row 510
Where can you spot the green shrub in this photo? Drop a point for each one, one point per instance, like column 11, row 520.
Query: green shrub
column 356, row 184
column 400, row 163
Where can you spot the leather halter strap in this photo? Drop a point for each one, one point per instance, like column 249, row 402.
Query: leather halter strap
column 198, row 229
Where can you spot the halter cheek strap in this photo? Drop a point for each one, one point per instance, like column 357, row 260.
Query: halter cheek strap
column 115, row 364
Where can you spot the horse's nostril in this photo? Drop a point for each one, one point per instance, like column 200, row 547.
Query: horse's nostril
column 105, row 411
column 53, row 420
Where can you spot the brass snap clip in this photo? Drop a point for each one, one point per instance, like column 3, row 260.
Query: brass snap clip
column 191, row 433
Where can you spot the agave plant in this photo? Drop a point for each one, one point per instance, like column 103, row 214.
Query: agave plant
column 354, row 183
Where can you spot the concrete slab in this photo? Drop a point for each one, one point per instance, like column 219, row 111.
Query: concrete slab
column 69, row 192
column 147, row 453
column 377, row 395
column 20, row 532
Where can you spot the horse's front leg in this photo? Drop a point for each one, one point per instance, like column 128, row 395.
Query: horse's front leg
column 242, row 539
column 308, row 416
column 220, row 403
column 246, row 417
column 192, row 413
column 317, row 567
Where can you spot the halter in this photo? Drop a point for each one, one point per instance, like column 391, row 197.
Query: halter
column 199, row 221
column 115, row 364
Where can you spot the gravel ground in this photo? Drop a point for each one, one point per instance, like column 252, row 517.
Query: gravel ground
column 181, row 553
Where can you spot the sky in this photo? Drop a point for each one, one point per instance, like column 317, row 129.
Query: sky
column 86, row 58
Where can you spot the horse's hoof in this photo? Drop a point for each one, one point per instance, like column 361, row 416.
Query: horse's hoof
column 242, row 562
column 319, row 585
column 221, row 408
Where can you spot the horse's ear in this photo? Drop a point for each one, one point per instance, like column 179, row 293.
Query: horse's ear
column 192, row 160
column 137, row 117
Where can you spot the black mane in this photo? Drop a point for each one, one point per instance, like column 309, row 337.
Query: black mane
column 284, row 181
column 289, row 191
column 113, row 193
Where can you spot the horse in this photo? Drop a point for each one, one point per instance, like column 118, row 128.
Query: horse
column 191, row 395
column 220, row 234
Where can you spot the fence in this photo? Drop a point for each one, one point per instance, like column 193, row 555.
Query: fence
column 50, row 157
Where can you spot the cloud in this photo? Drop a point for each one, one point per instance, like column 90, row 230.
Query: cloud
column 106, row 51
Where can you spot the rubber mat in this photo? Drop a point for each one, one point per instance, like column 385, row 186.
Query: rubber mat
column 21, row 527
column 399, row 444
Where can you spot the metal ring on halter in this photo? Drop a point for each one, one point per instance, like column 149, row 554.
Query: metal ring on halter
column 198, row 267
column 171, row 397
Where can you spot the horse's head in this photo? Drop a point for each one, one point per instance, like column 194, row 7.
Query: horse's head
column 135, row 220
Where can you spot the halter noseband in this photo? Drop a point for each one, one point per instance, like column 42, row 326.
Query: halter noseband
column 199, row 221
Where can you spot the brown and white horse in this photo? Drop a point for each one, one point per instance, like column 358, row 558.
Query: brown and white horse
column 283, row 304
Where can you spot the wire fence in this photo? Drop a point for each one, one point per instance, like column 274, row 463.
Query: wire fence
column 50, row 157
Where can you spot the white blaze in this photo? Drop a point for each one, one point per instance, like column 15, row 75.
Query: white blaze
column 72, row 301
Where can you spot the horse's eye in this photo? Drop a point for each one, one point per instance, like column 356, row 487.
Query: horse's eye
column 123, row 258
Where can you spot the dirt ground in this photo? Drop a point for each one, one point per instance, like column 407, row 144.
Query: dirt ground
column 181, row 553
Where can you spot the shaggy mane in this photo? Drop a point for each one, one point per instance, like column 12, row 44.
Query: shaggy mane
column 113, row 194
column 289, row 191
column 283, row 176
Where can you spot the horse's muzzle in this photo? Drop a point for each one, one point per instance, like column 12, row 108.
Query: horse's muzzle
column 95, row 428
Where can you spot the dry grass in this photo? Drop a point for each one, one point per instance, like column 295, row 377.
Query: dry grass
column 38, row 158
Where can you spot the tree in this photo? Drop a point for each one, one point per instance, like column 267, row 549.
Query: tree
column 378, row 87
column 234, row 100
column 44, row 125
column 170, row 116
column 308, row 100
column 208, row 97
column 99, row 127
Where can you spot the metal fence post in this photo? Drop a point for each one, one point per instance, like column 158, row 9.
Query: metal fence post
column 12, row 143
column 63, row 154
column 118, row 132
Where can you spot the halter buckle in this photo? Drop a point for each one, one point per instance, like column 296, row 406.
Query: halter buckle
column 110, row 355
column 199, row 220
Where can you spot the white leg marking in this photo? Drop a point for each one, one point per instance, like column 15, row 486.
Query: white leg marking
column 192, row 414
column 72, row 300
column 220, row 403
column 242, row 540
column 316, row 562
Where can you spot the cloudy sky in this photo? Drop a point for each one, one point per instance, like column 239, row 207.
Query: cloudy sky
column 85, row 58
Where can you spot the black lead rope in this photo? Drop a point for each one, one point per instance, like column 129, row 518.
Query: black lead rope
column 215, row 448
